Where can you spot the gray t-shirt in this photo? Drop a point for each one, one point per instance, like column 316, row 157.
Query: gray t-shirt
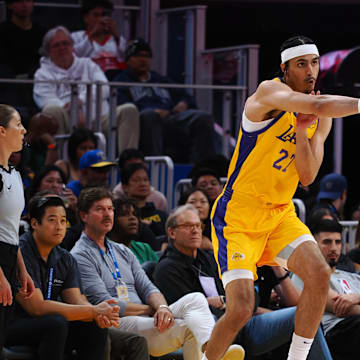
column 97, row 278
column 342, row 282
column 12, row 204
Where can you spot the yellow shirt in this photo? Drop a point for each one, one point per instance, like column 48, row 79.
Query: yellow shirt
column 263, row 163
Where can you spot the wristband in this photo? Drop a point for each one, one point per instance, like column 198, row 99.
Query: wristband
column 280, row 279
column 164, row 306
column 359, row 106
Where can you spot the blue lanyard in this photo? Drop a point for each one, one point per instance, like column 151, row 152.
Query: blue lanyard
column 51, row 275
column 116, row 266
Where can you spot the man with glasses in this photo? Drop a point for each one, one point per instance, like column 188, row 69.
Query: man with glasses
column 44, row 322
column 60, row 64
column 110, row 271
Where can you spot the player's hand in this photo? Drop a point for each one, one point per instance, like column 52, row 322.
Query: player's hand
column 303, row 121
column 5, row 292
column 163, row 319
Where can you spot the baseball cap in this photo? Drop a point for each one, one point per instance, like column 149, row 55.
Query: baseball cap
column 332, row 186
column 136, row 46
column 95, row 159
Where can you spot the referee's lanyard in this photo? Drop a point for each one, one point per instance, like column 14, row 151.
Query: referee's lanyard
column 121, row 288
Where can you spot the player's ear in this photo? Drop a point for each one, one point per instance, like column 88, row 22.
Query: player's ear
column 283, row 68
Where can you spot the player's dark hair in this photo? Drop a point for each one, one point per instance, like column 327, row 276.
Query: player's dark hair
column 294, row 41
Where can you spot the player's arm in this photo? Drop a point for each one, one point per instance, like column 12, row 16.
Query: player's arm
column 273, row 95
column 310, row 153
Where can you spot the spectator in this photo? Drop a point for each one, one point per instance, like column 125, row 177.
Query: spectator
column 129, row 156
column 81, row 141
column 41, row 140
column 60, row 64
column 136, row 185
column 52, row 178
column 322, row 213
column 20, row 40
column 341, row 320
column 100, row 41
column 187, row 323
column 185, row 268
column 208, row 180
column 126, row 230
column 169, row 122
column 200, row 200
column 94, row 171
column 333, row 194
column 43, row 321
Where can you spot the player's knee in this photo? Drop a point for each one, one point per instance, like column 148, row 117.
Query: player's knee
column 239, row 314
column 320, row 277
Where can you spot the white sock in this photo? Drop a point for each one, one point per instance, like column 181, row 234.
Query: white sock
column 204, row 357
column 299, row 347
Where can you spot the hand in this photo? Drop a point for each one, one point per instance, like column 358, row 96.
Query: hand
column 104, row 322
column 303, row 121
column 27, row 285
column 180, row 107
column 163, row 113
column 5, row 292
column 109, row 26
column 105, row 309
column 215, row 301
column 70, row 198
column 163, row 319
column 342, row 303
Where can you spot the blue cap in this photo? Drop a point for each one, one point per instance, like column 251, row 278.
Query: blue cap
column 332, row 186
column 95, row 159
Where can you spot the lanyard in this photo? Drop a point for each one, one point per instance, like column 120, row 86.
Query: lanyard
column 116, row 276
column 51, row 275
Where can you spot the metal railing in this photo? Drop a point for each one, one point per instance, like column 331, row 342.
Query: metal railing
column 348, row 235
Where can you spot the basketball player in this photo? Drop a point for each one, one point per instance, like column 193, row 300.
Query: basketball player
column 281, row 142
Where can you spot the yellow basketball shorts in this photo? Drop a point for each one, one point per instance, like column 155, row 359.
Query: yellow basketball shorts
column 247, row 233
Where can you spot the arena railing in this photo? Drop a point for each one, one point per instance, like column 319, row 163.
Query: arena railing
column 94, row 96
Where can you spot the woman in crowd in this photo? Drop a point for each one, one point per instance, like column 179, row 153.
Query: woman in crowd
column 129, row 230
column 200, row 200
column 81, row 141
column 11, row 205
column 51, row 177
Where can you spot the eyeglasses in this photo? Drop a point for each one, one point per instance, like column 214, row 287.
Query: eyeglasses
column 189, row 227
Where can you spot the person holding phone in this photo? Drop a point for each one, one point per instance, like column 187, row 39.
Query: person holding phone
column 100, row 40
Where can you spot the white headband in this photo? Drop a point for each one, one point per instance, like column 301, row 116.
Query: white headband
column 298, row 50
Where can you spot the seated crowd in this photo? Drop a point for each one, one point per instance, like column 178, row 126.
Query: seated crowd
column 116, row 275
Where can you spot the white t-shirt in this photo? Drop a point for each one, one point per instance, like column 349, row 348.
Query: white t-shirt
column 12, row 204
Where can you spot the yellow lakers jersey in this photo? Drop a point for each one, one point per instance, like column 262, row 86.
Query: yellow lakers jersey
column 263, row 163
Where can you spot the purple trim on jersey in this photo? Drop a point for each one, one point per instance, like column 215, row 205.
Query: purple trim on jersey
column 265, row 128
column 219, row 223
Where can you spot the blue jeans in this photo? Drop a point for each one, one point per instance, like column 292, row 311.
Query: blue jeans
column 268, row 331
